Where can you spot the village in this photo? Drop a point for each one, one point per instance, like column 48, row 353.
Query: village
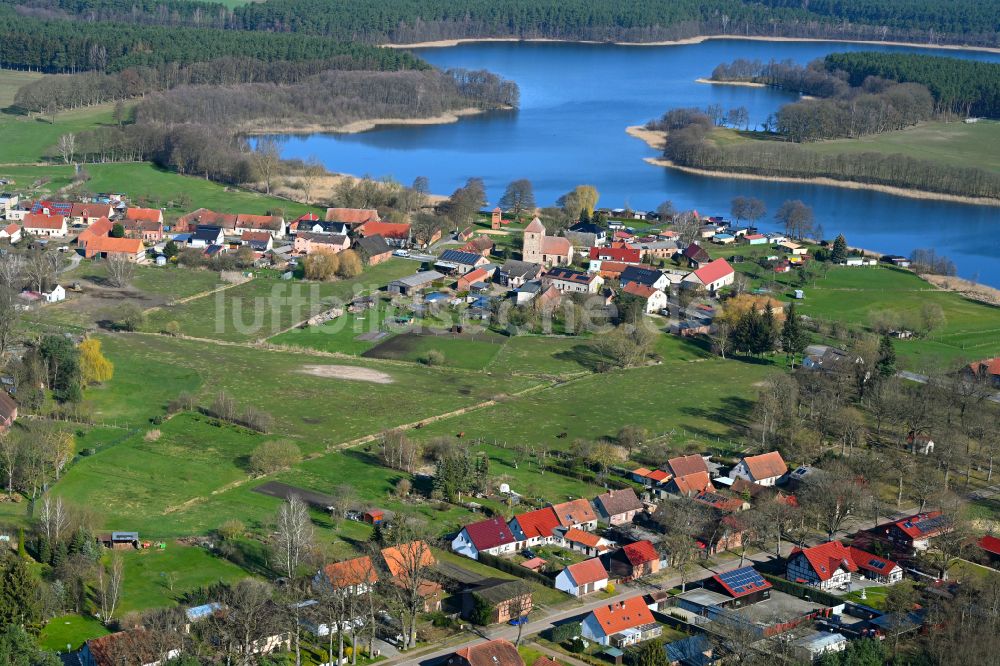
column 702, row 558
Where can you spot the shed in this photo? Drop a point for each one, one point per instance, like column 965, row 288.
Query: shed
column 414, row 283
column 373, row 516
column 799, row 294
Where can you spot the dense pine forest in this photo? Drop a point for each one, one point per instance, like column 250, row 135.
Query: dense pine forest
column 403, row 21
column 967, row 87
column 71, row 46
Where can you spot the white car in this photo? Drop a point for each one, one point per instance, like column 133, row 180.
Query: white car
column 401, row 253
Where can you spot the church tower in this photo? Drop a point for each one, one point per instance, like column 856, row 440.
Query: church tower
column 534, row 240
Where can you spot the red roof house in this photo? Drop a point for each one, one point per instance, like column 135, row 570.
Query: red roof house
column 491, row 536
column 535, row 527
column 98, row 229
column 619, row 252
column 356, row 574
column 634, row 561
column 826, row 566
column 352, row 216
column 712, row 276
column 764, row 470
column 621, row 623
column 684, row 465
column 576, row 513
column 582, row 578
column 497, row 652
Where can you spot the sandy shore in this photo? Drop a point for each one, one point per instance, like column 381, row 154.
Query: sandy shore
column 971, row 290
column 745, row 84
column 442, row 43
column 656, row 140
column 361, row 125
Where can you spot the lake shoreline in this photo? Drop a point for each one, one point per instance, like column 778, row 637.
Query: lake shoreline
column 745, row 84
column 447, row 43
column 365, row 125
column 657, row 140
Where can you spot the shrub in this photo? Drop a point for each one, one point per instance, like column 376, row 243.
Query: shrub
column 433, row 357
column 231, row 529
column 564, row 632
column 271, row 456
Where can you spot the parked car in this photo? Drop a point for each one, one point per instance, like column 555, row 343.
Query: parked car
column 401, row 253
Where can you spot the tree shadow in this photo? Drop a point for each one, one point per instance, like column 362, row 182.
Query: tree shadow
column 732, row 412
column 584, row 355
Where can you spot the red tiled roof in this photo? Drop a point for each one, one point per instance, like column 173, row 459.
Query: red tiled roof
column 988, row 366
column 534, row 563
column 261, row 236
column 91, row 210
column 308, row 217
column 403, row 560
column 477, row 275
column 615, row 502
column 39, row 221
column 489, row 533
column 538, row 523
column 641, row 471
column 535, row 227
column 144, row 214
column 204, row 216
column 588, row 571
column 545, row 661
column 869, row 562
column 11, row 228
column 556, row 245
column 101, row 227
column 385, row 229
column 713, row 271
column 497, row 652
column 755, row 236
column 826, row 558
column 114, row 245
column 351, row 572
column 693, row 483
column 658, row 475
column 622, row 615
column 640, row 552
column 352, row 215
column 272, row 222
column 142, row 225
column 579, row 536
column 766, row 465
column 915, row 526
column 684, row 465
column 574, row 512
column 990, row 544
column 642, row 291
column 624, row 254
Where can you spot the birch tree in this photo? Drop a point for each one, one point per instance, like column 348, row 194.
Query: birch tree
column 295, row 536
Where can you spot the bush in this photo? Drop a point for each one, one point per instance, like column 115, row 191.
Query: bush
column 88, row 452
column 231, row 529
column 576, row 645
column 564, row 632
column 433, row 357
column 271, row 456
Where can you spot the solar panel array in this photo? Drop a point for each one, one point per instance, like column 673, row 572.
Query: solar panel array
column 877, row 564
column 744, row 580
column 931, row 524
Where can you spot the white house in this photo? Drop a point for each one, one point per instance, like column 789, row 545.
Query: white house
column 712, row 276
column 535, row 527
column 50, row 226
column 55, row 295
column 491, row 536
column 655, row 300
column 764, row 470
column 813, row 646
column 582, row 578
column 621, row 623
column 826, row 566
column 11, row 232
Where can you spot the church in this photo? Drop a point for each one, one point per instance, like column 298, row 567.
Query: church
column 546, row 250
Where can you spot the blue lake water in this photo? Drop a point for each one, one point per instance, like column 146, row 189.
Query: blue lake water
column 577, row 100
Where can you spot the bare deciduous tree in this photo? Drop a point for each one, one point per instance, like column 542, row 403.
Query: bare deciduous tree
column 295, row 536
column 266, row 160
column 109, row 586
column 67, row 147
column 121, row 271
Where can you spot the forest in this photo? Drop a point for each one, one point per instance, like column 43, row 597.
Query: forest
column 197, row 129
column 689, row 144
column 967, row 87
column 70, row 46
column 376, row 21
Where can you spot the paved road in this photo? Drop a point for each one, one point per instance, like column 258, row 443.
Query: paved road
column 923, row 379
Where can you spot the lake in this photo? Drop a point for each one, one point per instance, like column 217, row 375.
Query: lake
column 577, row 100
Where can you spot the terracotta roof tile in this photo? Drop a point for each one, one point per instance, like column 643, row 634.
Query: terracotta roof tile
column 622, row 615
column 684, row 465
column 538, row 523
column 640, row 552
column 588, row 571
column 766, row 465
column 491, row 653
column 574, row 512
column 351, row 572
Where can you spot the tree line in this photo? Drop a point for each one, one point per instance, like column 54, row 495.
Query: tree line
column 59, row 46
column 692, row 146
column 968, row 87
column 372, row 21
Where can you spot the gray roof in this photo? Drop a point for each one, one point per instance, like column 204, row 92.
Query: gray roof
column 419, row 279
column 639, row 275
column 373, row 245
column 525, row 269
column 206, row 233
column 327, row 239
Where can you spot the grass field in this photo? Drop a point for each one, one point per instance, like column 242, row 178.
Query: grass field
column 29, row 139
column 951, row 143
column 459, row 351
column 268, row 305
column 316, row 410
column 971, row 330
column 70, row 630
column 150, row 574
column 11, row 80
column 698, row 397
